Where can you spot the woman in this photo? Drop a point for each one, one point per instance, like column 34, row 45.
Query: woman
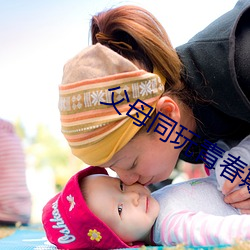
column 191, row 110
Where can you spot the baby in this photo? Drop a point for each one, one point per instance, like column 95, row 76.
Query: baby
column 96, row 211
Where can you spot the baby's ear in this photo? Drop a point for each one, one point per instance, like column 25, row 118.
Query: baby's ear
column 168, row 107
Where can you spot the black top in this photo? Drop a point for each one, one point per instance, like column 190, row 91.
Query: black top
column 217, row 66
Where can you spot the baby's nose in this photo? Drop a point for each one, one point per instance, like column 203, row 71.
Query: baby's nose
column 133, row 198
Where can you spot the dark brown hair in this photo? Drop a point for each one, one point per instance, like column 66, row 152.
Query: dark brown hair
column 136, row 34
column 139, row 29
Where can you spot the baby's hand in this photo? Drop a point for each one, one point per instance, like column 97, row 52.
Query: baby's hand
column 240, row 198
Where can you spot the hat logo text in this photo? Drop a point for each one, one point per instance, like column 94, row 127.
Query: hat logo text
column 67, row 237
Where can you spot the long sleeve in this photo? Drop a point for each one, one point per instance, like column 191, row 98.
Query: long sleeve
column 194, row 212
column 201, row 229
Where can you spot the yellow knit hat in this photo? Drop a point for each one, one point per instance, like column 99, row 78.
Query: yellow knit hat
column 102, row 98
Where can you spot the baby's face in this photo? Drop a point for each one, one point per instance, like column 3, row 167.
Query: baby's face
column 130, row 211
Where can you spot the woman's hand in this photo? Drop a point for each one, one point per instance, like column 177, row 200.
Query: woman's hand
column 241, row 197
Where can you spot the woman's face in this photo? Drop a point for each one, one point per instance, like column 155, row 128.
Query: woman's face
column 145, row 159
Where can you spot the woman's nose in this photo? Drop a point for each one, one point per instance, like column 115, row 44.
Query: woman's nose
column 126, row 177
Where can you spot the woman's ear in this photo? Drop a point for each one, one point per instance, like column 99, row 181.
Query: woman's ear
column 168, row 107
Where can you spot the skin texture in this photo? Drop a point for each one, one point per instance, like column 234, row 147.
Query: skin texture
column 147, row 159
column 130, row 211
column 138, row 162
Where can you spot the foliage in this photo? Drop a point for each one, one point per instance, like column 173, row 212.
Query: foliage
column 45, row 150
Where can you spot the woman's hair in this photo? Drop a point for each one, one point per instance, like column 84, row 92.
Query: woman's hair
column 137, row 35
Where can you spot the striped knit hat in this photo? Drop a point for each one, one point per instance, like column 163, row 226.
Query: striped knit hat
column 104, row 100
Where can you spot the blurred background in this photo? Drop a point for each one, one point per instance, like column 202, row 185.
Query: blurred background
column 36, row 39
